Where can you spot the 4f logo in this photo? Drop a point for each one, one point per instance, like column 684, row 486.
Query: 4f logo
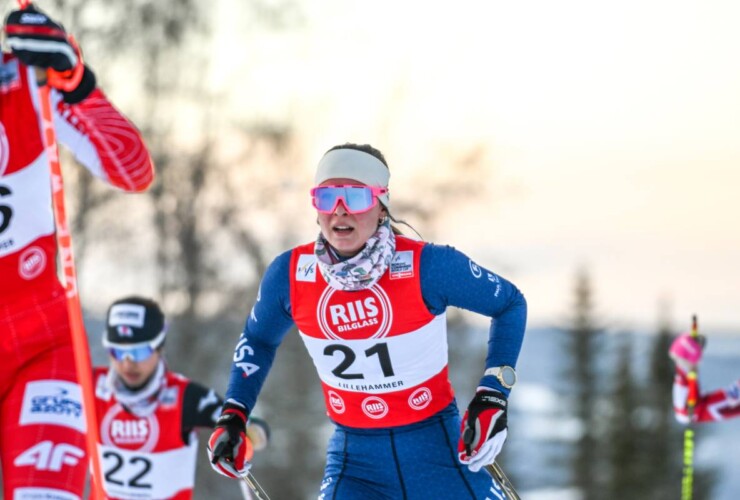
column 6, row 213
column 49, row 456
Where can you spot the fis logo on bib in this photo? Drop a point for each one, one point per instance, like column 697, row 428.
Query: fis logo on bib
column 306, row 268
column 362, row 314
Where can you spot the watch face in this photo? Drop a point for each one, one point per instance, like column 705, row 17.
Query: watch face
column 508, row 375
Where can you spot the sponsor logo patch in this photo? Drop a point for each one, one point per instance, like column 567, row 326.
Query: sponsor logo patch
column 10, row 78
column 494, row 279
column 168, row 397
column 402, row 265
column 362, row 314
column 475, row 269
column 131, row 315
column 42, row 494
column 306, row 269
column 125, row 331
column 31, row 263
column 121, row 429
column 53, row 402
column 420, row 398
column 336, row 402
column 32, row 18
column 374, row 407
column 47, row 455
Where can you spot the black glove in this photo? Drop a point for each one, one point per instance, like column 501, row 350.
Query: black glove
column 483, row 430
column 37, row 40
column 229, row 449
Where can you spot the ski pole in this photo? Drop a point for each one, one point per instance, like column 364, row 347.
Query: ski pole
column 74, row 311
column 497, row 473
column 254, row 487
column 687, row 481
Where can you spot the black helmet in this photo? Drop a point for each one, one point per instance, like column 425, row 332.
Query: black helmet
column 134, row 321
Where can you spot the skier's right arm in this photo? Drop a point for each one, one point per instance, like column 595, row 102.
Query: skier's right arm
column 101, row 138
column 266, row 326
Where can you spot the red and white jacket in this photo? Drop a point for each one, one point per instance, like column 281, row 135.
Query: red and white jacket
column 100, row 137
column 711, row 407
column 147, row 457
column 397, row 349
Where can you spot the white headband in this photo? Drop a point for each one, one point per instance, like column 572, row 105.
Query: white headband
column 357, row 165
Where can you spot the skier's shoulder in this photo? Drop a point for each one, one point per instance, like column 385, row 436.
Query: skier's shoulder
column 200, row 406
column 440, row 257
column 278, row 269
column 177, row 378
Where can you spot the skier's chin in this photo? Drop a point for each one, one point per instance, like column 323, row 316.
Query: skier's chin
column 133, row 382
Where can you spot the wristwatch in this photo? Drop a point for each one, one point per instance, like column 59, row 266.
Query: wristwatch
column 505, row 374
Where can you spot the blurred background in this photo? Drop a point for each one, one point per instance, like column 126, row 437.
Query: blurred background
column 586, row 151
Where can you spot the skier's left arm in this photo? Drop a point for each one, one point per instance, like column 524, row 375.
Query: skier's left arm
column 450, row 278
column 268, row 322
column 201, row 408
column 99, row 136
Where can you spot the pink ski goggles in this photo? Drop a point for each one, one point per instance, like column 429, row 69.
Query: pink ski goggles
column 356, row 199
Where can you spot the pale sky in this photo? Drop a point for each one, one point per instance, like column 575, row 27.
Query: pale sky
column 610, row 132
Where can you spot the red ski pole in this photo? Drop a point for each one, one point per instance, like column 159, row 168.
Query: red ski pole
column 74, row 310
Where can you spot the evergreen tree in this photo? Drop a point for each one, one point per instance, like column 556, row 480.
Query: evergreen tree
column 582, row 353
column 631, row 441
column 622, row 445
